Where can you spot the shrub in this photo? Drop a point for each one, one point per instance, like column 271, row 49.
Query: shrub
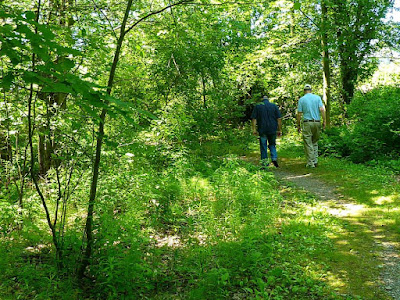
column 376, row 124
column 373, row 133
column 335, row 142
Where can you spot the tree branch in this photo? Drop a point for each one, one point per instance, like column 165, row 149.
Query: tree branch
column 105, row 16
column 157, row 12
column 312, row 21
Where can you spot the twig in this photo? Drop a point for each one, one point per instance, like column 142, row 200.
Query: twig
column 312, row 21
column 105, row 16
column 155, row 13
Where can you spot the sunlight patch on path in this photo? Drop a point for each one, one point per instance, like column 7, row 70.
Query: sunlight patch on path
column 346, row 210
column 337, row 206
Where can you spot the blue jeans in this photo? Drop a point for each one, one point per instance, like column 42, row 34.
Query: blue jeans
column 268, row 141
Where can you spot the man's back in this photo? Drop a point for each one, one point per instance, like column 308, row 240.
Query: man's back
column 309, row 105
column 267, row 115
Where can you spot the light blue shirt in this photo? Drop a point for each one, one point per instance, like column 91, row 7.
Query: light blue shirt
column 309, row 105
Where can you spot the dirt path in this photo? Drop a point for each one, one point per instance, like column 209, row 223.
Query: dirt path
column 342, row 208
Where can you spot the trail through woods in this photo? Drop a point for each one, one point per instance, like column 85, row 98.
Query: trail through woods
column 340, row 207
column 378, row 245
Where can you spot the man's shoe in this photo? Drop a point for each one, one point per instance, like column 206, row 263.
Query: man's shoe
column 275, row 163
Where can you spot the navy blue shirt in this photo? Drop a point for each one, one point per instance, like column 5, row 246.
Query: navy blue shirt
column 267, row 115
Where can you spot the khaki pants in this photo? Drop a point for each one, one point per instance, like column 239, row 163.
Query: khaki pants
column 311, row 133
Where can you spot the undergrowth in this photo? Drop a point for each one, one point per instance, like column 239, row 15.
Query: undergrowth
column 185, row 222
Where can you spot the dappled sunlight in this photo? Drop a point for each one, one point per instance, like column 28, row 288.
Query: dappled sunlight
column 341, row 242
column 298, row 176
column 381, row 200
column 200, row 182
column 346, row 210
column 355, row 257
column 173, row 241
column 337, row 281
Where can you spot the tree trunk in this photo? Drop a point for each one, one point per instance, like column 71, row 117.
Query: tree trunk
column 99, row 141
column 47, row 144
column 349, row 76
column 42, row 151
column 204, row 91
column 33, row 161
column 326, row 65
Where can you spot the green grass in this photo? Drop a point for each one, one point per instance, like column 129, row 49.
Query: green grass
column 373, row 193
column 206, row 225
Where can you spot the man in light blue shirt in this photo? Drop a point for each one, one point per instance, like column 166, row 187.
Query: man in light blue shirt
column 310, row 109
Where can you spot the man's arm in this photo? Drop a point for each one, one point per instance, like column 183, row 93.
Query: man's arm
column 323, row 113
column 299, row 115
column 279, row 126
column 254, row 126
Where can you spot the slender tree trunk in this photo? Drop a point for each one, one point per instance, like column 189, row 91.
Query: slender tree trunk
column 326, row 65
column 44, row 151
column 204, row 91
column 6, row 151
column 47, row 144
column 21, row 171
column 33, row 162
column 292, row 22
column 99, row 141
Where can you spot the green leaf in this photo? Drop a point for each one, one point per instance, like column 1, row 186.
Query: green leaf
column 94, row 99
column 61, row 50
column 249, row 290
column 113, row 114
column 117, row 102
column 89, row 110
column 146, row 113
column 7, row 81
column 10, row 53
column 59, row 88
column 3, row 14
column 6, row 29
column 30, row 15
column 67, row 64
column 42, row 52
column 297, row 5
column 30, row 77
column 46, row 32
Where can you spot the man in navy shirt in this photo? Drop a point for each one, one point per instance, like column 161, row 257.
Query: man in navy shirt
column 267, row 118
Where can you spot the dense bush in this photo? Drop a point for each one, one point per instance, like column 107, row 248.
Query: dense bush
column 374, row 130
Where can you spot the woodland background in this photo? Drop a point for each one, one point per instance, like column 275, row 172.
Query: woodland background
column 122, row 125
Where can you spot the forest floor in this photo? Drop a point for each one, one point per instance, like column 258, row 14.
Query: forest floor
column 366, row 262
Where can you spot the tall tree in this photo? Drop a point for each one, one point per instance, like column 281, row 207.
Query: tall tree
column 326, row 62
column 357, row 24
column 125, row 28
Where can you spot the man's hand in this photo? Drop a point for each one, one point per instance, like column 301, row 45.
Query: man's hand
column 299, row 117
column 254, row 126
column 279, row 133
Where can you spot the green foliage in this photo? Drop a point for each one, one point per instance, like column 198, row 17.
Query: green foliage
column 178, row 213
column 11, row 218
column 373, row 134
column 336, row 142
column 203, row 227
